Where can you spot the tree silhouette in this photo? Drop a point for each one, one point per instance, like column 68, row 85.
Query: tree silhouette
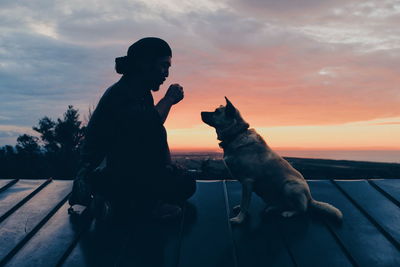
column 68, row 132
column 27, row 144
column 55, row 154
column 65, row 135
column 47, row 130
column 8, row 161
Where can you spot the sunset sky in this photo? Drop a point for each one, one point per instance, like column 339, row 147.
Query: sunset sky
column 306, row 74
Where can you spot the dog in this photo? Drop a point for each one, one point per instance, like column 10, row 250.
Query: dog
column 258, row 168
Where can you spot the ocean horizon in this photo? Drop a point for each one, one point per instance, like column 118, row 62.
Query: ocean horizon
column 387, row 156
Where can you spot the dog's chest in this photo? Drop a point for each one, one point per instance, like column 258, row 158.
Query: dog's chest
column 230, row 162
column 239, row 166
column 252, row 164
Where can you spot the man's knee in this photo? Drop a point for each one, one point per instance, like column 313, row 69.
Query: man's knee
column 183, row 189
column 190, row 188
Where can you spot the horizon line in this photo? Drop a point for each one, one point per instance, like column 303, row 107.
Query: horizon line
column 216, row 149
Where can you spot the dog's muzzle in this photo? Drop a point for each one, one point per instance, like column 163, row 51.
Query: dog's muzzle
column 206, row 117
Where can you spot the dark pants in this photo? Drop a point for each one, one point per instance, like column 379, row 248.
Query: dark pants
column 141, row 191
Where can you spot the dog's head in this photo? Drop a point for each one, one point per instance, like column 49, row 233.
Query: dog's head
column 225, row 119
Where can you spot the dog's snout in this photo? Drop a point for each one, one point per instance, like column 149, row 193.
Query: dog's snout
column 206, row 117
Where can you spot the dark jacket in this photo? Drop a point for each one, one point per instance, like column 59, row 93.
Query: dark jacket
column 126, row 129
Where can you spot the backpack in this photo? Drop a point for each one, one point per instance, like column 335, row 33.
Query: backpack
column 82, row 193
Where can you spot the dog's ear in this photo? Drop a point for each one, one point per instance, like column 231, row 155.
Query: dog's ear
column 230, row 110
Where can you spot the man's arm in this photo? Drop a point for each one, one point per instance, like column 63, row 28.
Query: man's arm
column 163, row 107
column 173, row 96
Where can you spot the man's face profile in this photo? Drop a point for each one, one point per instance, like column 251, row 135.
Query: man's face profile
column 158, row 72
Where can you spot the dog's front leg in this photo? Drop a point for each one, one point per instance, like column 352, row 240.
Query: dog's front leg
column 247, row 189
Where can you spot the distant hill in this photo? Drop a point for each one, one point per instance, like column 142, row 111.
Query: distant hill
column 211, row 166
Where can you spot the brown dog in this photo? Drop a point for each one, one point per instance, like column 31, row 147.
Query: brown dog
column 258, row 168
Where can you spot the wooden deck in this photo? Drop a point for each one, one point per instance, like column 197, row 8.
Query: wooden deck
column 36, row 230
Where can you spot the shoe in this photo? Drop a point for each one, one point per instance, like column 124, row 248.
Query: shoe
column 166, row 212
column 81, row 193
column 101, row 209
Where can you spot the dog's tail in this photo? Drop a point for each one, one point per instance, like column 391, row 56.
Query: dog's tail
column 326, row 210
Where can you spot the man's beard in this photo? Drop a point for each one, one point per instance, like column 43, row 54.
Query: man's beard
column 155, row 88
column 155, row 85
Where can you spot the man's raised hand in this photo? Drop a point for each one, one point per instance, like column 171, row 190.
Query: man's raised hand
column 174, row 93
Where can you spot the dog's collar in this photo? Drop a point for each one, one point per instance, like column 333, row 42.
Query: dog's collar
column 227, row 139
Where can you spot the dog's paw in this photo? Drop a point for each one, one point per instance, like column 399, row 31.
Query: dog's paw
column 238, row 219
column 288, row 214
column 236, row 209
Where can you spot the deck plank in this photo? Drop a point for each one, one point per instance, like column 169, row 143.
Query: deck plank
column 39, row 232
column 5, row 183
column 257, row 241
column 49, row 244
column 98, row 246
column 383, row 212
column 311, row 243
column 206, row 238
column 19, row 226
column 390, row 187
column 17, row 194
column 360, row 237
column 152, row 243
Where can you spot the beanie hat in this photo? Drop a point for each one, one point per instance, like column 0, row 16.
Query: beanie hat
column 146, row 49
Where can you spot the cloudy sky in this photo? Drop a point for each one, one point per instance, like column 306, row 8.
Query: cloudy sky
column 306, row 73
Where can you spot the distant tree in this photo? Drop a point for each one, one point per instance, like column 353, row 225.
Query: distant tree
column 68, row 135
column 65, row 135
column 28, row 144
column 68, row 132
column 46, row 128
column 7, row 162
column 61, row 141
column 55, row 154
column 9, row 150
column 29, row 160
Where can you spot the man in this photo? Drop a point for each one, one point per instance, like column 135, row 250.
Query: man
column 126, row 163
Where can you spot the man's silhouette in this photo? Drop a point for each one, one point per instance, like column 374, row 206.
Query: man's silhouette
column 126, row 162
